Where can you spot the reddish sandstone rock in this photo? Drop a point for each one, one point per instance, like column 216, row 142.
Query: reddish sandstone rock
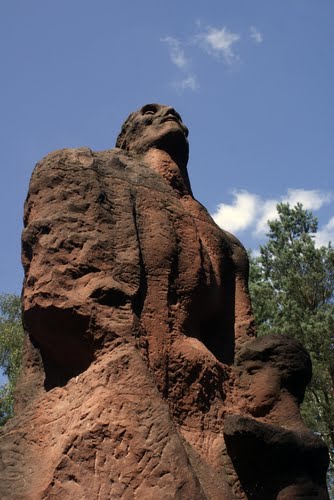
column 142, row 378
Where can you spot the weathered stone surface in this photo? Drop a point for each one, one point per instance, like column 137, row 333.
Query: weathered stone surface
column 142, row 377
column 272, row 462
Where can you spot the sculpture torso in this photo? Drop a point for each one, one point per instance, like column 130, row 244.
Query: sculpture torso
column 160, row 253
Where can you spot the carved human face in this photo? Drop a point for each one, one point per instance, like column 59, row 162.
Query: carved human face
column 155, row 126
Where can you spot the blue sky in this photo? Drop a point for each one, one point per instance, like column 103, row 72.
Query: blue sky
column 253, row 81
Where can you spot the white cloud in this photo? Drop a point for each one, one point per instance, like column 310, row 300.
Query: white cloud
column 250, row 211
column 325, row 234
column 176, row 52
column 266, row 211
column 218, row 42
column 255, row 35
column 311, row 199
column 238, row 216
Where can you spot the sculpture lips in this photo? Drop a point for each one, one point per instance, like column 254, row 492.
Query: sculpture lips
column 170, row 118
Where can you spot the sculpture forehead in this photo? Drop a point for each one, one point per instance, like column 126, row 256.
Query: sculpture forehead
column 151, row 106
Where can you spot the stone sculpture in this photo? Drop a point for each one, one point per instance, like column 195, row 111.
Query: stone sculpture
column 142, row 376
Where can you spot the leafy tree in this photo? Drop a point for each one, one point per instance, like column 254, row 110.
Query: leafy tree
column 11, row 346
column 292, row 289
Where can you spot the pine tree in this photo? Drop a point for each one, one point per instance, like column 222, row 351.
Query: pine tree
column 292, row 289
column 11, row 346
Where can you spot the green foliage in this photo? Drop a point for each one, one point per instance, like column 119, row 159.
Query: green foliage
column 292, row 289
column 11, row 347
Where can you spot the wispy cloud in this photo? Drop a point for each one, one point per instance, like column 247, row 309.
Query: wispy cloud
column 176, row 52
column 188, row 80
column 219, row 43
column 249, row 211
column 255, row 35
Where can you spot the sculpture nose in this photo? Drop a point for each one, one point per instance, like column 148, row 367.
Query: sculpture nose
column 171, row 111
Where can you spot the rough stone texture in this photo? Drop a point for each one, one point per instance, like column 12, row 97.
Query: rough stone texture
column 142, row 376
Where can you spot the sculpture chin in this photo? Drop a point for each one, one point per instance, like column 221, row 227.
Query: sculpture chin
column 170, row 137
column 175, row 143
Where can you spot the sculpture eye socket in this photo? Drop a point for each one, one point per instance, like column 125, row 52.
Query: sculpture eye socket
column 150, row 109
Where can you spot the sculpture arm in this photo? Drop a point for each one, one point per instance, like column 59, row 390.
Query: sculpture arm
column 82, row 270
column 244, row 326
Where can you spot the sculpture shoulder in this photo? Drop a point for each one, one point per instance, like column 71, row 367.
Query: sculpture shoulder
column 68, row 158
column 65, row 165
column 239, row 253
column 67, row 171
column 231, row 244
column 72, row 162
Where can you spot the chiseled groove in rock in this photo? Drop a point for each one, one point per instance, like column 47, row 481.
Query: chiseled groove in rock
column 139, row 299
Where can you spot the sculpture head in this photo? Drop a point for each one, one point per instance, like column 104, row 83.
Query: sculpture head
column 155, row 126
